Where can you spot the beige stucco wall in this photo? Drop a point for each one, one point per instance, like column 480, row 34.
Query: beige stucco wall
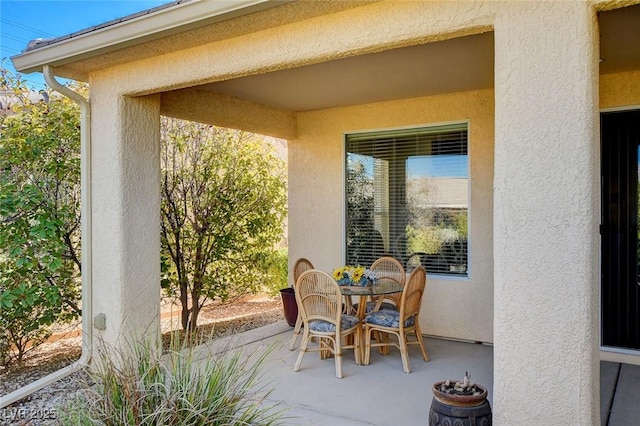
column 533, row 279
column 620, row 90
column 174, row 77
column 311, row 40
column 547, row 211
column 125, row 186
column 453, row 307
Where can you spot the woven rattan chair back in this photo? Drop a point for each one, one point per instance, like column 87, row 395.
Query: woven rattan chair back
column 318, row 297
column 390, row 268
column 411, row 298
column 301, row 265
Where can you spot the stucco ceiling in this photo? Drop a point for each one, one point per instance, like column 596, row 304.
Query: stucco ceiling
column 620, row 39
column 454, row 65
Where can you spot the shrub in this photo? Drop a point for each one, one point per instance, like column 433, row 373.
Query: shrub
column 224, row 198
column 143, row 388
column 277, row 267
column 39, row 217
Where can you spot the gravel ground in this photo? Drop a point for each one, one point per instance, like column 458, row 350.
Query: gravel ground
column 41, row 407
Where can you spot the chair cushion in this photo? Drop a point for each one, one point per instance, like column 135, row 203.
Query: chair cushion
column 371, row 305
column 388, row 318
column 348, row 321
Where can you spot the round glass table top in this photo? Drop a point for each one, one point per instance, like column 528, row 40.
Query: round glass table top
column 381, row 286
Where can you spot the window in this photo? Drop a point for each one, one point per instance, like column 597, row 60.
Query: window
column 407, row 196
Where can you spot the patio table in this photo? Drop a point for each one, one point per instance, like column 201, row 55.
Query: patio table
column 381, row 287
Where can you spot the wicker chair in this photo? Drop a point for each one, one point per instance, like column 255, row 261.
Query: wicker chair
column 299, row 267
column 320, row 304
column 386, row 268
column 401, row 323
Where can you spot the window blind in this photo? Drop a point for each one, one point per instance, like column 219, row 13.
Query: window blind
column 407, row 197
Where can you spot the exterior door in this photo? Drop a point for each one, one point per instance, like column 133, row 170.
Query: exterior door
column 620, row 292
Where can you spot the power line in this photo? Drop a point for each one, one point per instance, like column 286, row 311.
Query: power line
column 6, row 52
column 14, row 38
column 26, row 27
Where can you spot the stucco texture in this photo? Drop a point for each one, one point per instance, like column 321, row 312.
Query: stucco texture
column 620, row 90
column 546, row 215
column 532, row 286
column 315, row 138
column 452, row 307
column 126, row 215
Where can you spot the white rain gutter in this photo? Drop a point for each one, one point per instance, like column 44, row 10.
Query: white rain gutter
column 85, row 226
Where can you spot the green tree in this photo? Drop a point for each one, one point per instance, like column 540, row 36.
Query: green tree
column 223, row 206
column 360, row 202
column 39, row 215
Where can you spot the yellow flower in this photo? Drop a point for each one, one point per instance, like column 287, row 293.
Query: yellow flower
column 338, row 273
column 357, row 274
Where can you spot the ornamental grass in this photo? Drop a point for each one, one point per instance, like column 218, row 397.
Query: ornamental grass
column 141, row 386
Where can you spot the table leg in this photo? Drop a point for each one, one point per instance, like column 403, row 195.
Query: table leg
column 383, row 338
column 324, row 353
column 348, row 306
column 362, row 312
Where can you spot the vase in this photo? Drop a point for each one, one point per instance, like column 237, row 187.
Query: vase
column 364, row 282
column 289, row 305
column 463, row 410
column 344, row 281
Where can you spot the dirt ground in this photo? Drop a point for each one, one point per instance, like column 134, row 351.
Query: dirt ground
column 216, row 320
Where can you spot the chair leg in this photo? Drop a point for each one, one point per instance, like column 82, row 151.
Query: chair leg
column 338, row 355
column 425, row 355
column 325, row 345
column 303, row 348
column 296, row 332
column 404, row 352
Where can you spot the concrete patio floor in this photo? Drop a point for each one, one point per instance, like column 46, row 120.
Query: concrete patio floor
column 382, row 394
column 619, row 391
column 377, row 394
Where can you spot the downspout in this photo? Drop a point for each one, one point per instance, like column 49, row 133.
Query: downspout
column 85, row 213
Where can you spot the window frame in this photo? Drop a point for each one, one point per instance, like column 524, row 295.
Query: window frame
column 417, row 127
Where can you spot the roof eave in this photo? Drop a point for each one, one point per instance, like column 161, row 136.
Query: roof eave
column 140, row 29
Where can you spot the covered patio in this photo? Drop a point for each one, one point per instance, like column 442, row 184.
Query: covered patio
column 527, row 81
column 377, row 394
column 314, row 396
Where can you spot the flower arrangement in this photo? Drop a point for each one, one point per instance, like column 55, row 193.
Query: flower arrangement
column 354, row 275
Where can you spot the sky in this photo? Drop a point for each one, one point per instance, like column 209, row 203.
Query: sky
column 24, row 20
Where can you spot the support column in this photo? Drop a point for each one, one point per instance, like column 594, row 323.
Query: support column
column 546, row 204
column 126, row 215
